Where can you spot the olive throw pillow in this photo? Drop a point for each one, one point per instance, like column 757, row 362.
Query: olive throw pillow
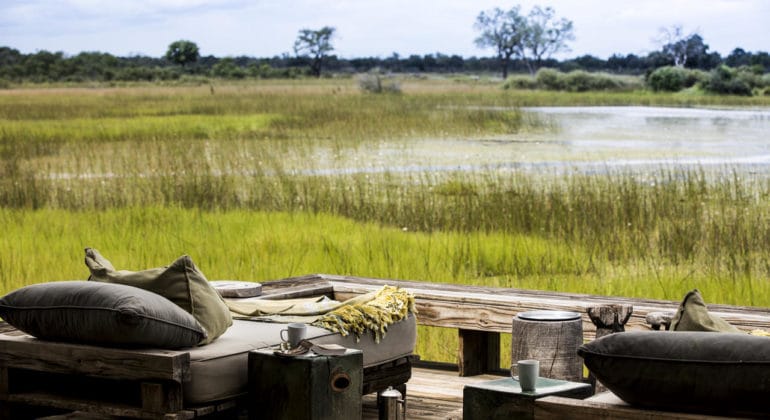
column 100, row 313
column 693, row 315
column 181, row 282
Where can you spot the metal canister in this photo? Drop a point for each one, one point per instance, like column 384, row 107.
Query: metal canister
column 392, row 405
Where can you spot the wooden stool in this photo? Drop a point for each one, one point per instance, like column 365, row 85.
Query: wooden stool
column 504, row 399
column 308, row 387
column 609, row 319
column 552, row 337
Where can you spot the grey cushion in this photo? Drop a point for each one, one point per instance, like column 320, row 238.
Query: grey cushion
column 218, row 370
column 689, row 371
column 100, row 313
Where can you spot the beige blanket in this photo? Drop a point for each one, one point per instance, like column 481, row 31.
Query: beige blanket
column 372, row 312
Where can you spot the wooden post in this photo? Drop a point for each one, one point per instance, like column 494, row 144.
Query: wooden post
column 479, row 352
column 609, row 319
column 162, row 397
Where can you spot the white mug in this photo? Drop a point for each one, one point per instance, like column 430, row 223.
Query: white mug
column 528, row 370
column 294, row 333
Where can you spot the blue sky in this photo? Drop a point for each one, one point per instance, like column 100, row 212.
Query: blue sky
column 365, row 28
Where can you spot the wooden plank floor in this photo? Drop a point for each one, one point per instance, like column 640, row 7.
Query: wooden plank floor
column 431, row 395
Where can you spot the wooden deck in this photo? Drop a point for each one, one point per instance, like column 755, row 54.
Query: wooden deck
column 432, row 394
column 479, row 315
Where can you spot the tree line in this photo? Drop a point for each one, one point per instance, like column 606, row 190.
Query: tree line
column 522, row 43
column 45, row 66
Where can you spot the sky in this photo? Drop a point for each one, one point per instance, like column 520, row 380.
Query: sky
column 364, row 28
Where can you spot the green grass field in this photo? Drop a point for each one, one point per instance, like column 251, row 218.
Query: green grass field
column 147, row 173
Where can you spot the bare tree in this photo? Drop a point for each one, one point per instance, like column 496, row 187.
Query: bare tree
column 675, row 43
column 546, row 35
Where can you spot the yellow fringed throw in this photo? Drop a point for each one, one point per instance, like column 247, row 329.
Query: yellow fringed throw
column 389, row 305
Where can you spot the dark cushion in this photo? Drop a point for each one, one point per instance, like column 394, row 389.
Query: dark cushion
column 180, row 282
column 689, row 371
column 100, row 313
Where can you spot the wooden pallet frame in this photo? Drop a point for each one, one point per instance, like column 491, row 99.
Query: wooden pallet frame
column 42, row 377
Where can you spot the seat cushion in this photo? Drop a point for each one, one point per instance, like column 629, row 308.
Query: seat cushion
column 688, row 371
column 100, row 313
column 219, row 370
column 180, row 282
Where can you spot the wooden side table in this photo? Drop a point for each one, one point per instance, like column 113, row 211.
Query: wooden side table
column 308, row 387
column 504, row 399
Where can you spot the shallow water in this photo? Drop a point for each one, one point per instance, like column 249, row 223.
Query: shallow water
column 583, row 138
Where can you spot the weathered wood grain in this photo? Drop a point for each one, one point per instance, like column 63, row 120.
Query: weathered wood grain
column 492, row 309
column 48, row 356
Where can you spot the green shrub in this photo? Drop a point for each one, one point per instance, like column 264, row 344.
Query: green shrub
column 730, row 81
column 549, row 79
column 520, row 81
column 577, row 81
column 583, row 81
column 668, row 79
column 227, row 69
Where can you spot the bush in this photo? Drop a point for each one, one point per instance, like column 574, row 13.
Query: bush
column 549, row 79
column 376, row 83
column 583, row 81
column 729, row 81
column 520, row 81
column 668, row 79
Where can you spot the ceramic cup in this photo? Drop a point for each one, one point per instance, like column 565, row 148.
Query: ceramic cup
column 294, row 333
column 528, row 372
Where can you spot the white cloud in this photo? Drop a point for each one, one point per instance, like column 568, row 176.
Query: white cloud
column 364, row 27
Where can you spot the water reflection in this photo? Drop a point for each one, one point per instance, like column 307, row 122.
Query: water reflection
column 633, row 136
column 591, row 139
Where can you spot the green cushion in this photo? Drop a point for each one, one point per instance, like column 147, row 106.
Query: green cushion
column 693, row 315
column 689, row 371
column 100, row 313
column 181, row 282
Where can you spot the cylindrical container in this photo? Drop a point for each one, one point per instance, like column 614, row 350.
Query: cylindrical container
column 392, row 405
column 552, row 337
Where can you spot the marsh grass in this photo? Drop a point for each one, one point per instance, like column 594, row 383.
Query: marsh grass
column 237, row 179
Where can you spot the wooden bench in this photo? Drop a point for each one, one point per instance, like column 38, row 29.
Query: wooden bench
column 481, row 314
column 40, row 378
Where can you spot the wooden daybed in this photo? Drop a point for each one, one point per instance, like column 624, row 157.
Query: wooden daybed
column 40, row 378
